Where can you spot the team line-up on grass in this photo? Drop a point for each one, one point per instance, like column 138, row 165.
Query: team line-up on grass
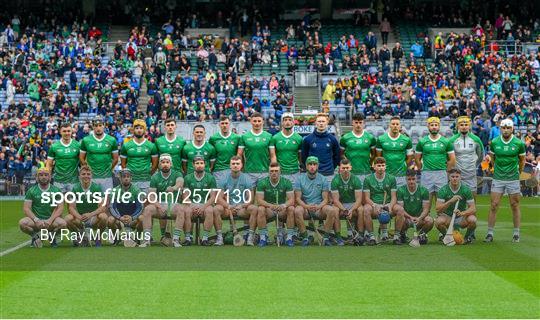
column 293, row 181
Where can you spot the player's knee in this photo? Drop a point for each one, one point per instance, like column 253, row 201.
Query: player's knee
column 428, row 220
column 59, row 223
column 472, row 220
column 441, row 221
column 299, row 212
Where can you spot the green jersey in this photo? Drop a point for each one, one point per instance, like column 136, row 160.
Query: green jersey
column 358, row 150
column 195, row 186
column 287, row 148
column 139, row 158
column 434, row 152
column 42, row 209
column 446, row 193
column 173, row 147
column 161, row 182
column 413, row 202
column 274, row 193
column 226, row 148
column 377, row 188
column 346, row 189
column 395, row 152
column 85, row 206
column 506, row 166
column 256, row 154
column 99, row 154
column 66, row 160
column 190, row 151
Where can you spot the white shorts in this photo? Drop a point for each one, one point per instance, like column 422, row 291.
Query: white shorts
column 64, row 186
column 256, row 176
column 143, row 185
column 362, row 177
column 434, row 180
column 470, row 182
column 105, row 183
column 401, row 181
column 292, row 177
column 221, row 175
column 506, row 187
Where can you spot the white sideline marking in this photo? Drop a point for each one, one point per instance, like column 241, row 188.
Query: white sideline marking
column 10, row 250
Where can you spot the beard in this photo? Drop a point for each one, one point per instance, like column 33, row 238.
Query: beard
column 139, row 136
column 434, row 132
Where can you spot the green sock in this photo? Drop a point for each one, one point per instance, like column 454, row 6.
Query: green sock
column 469, row 233
column 162, row 230
column 205, row 234
column 338, row 235
column 188, row 235
column 177, row 233
column 304, row 235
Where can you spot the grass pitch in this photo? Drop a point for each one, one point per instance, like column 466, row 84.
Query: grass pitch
column 498, row 280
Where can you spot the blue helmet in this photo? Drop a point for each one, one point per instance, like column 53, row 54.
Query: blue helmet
column 384, row 217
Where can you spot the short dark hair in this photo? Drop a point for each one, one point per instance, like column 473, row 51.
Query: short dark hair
column 199, row 126
column 358, row 116
column 411, row 173
column 236, row 158
column 345, row 161
column 223, row 118
column 274, row 164
column 168, row 120
column 454, row 170
column 395, row 118
column 65, row 125
column 379, row 160
column 257, row 115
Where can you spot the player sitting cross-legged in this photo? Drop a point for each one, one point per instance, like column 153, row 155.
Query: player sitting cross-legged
column 39, row 213
column 413, row 202
column 86, row 214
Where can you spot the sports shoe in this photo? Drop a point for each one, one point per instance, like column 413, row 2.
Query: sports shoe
column 219, row 242
column 468, row 240
column 205, row 243
column 54, row 243
column 489, row 238
column 515, row 238
column 85, row 242
column 441, row 237
column 249, row 241
column 422, row 238
column 75, row 243
column 397, row 241
column 187, row 242
column 36, row 242
column 327, row 243
column 97, row 243
column 371, row 241
column 144, row 244
column 176, row 243
column 289, row 243
column 305, row 242
column 384, row 238
column 279, row 239
column 128, row 243
column 263, row 242
column 404, row 238
column 340, row 242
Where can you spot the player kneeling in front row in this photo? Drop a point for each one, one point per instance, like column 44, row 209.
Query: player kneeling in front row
column 161, row 202
column 125, row 210
column 39, row 213
column 85, row 214
column 199, row 196
column 377, row 187
column 235, row 199
column 414, row 203
column 275, row 198
column 311, row 192
column 456, row 197
column 347, row 196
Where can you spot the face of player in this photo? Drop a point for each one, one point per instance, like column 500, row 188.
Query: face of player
column 125, row 179
column 236, row 165
column 312, row 167
column 455, row 178
column 507, row 131
column 395, row 126
column 411, row 182
column 434, row 128
column 380, row 168
column 85, row 176
column 165, row 165
column 464, row 127
column 198, row 135
column 98, row 129
column 198, row 166
column 138, row 131
column 257, row 123
column 287, row 123
column 170, row 127
column 345, row 170
column 225, row 126
column 358, row 125
column 321, row 123
column 274, row 173
column 44, row 177
column 66, row 133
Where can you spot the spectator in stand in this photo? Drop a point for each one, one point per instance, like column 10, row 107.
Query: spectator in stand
column 385, row 29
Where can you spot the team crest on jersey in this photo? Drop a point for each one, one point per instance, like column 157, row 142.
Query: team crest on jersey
column 314, row 145
column 328, row 145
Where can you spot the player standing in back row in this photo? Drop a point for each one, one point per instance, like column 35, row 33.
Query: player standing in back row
column 254, row 147
column 226, row 144
column 63, row 159
column 508, row 154
column 198, row 147
column 171, row 144
column 434, row 156
column 359, row 147
column 285, row 148
column 397, row 150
